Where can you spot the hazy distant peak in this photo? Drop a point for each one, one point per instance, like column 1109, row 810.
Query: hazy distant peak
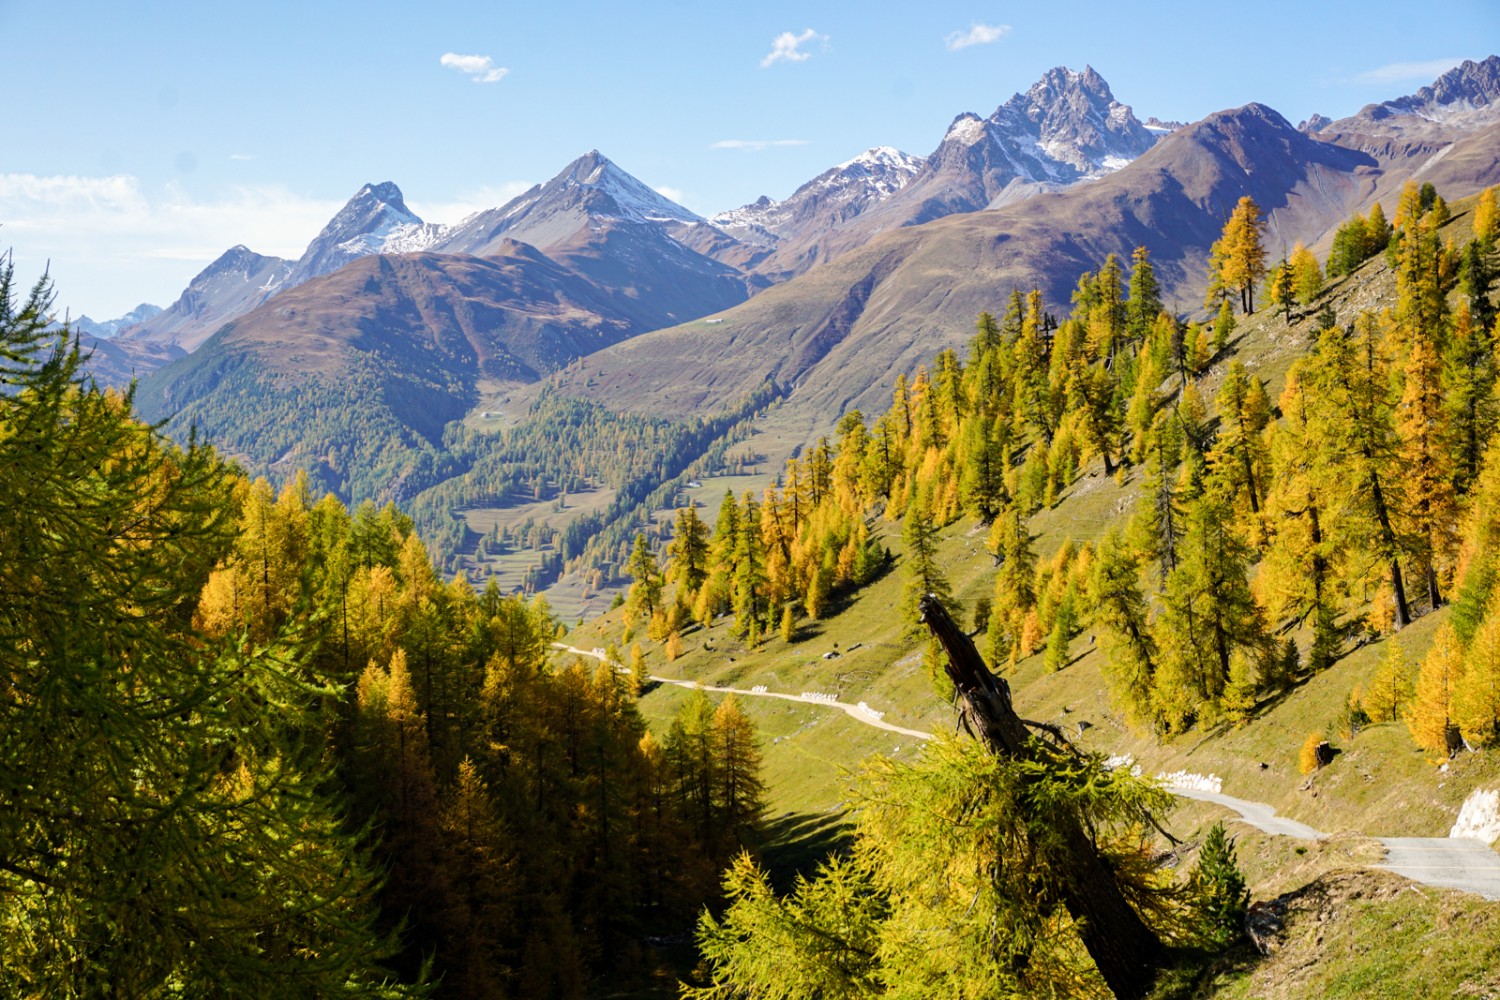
column 108, row 328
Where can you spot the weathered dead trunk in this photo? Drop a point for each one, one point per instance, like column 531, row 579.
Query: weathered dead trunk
column 1126, row 951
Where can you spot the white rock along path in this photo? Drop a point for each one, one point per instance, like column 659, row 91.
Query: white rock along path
column 1446, row 862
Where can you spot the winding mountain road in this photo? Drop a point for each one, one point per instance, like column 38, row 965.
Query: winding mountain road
column 858, row 713
column 1444, row 862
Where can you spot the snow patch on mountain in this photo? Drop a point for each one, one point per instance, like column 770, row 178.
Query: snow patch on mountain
column 1066, row 128
column 375, row 220
column 634, row 201
column 837, row 194
column 966, row 130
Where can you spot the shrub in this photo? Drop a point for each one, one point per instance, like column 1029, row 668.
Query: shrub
column 1307, row 759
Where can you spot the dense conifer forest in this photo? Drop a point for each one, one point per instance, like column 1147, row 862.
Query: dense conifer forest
column 255, row 746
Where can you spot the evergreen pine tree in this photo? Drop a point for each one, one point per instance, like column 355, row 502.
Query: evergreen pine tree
column 1221, row 896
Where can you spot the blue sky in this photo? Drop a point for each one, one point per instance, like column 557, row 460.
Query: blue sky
column 142, row 140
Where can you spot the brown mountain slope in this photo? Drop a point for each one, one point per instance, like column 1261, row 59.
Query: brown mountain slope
column 354, row 375
column 1065, row 128
column 839, row 333
column 513, row 315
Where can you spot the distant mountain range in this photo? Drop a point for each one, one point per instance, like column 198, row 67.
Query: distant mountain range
column 869, row 268
column 837, row 334
column 103, row 330
column 1066, row 128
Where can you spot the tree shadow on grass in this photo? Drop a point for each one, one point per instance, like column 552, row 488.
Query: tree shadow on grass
column 795, row 843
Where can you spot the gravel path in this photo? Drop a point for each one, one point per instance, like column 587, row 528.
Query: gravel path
column 1257, row 814
column 858, row 713
column 1445, row 862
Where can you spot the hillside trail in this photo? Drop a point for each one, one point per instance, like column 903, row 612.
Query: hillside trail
column 1443, row 862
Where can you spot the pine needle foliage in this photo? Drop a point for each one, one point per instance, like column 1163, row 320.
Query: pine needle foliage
column 949, row 889
column 166, row 828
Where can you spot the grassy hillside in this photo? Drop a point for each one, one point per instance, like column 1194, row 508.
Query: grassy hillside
column 1346, row 930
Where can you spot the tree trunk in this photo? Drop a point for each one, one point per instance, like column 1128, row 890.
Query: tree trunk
column 1126, row 951
column 1388, row 537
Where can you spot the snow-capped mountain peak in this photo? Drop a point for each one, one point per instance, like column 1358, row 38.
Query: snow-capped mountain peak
column 966, row 130
column 1074, row 120
column 837, row 194
column 375, row 220
column 596, row 176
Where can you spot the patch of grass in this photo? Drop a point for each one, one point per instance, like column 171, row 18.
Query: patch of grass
column 1372, row 936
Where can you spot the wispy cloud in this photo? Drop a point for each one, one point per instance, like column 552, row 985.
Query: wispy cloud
column 241, row 157
column 1424, row 71
column 756, row 145
column 672, row 193
column 112, row 243
column 787, row 47
column 480, row 69
column 978, row 34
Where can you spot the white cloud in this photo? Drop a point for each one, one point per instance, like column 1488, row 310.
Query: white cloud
column 1406, row 72
column 978, row 34
column 480, row 69
column 756, row 145
column 240, row 157
column 111, row 244
column 672, row 193
column 787, row 47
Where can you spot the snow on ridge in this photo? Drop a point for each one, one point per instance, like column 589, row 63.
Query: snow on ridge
column 883, row 156
column 636, row 201
column 967, row 129
column 412, row 237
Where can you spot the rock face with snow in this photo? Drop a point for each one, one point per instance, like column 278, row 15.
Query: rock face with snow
column 1077, row 125
column 589, row 190
column 835, row 196
column 1068, row 127
column 1463, row 100
column 375, row 220
column 598, row 221
column 1465, row 95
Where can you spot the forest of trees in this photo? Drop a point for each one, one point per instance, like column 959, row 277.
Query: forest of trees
column 256, row 746
column 566, row 446
column 261, row 738
column 1367, row 492
column 1338, row 503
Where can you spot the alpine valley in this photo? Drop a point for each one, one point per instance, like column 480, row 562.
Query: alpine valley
column 379, row 361
column 1062, row 564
